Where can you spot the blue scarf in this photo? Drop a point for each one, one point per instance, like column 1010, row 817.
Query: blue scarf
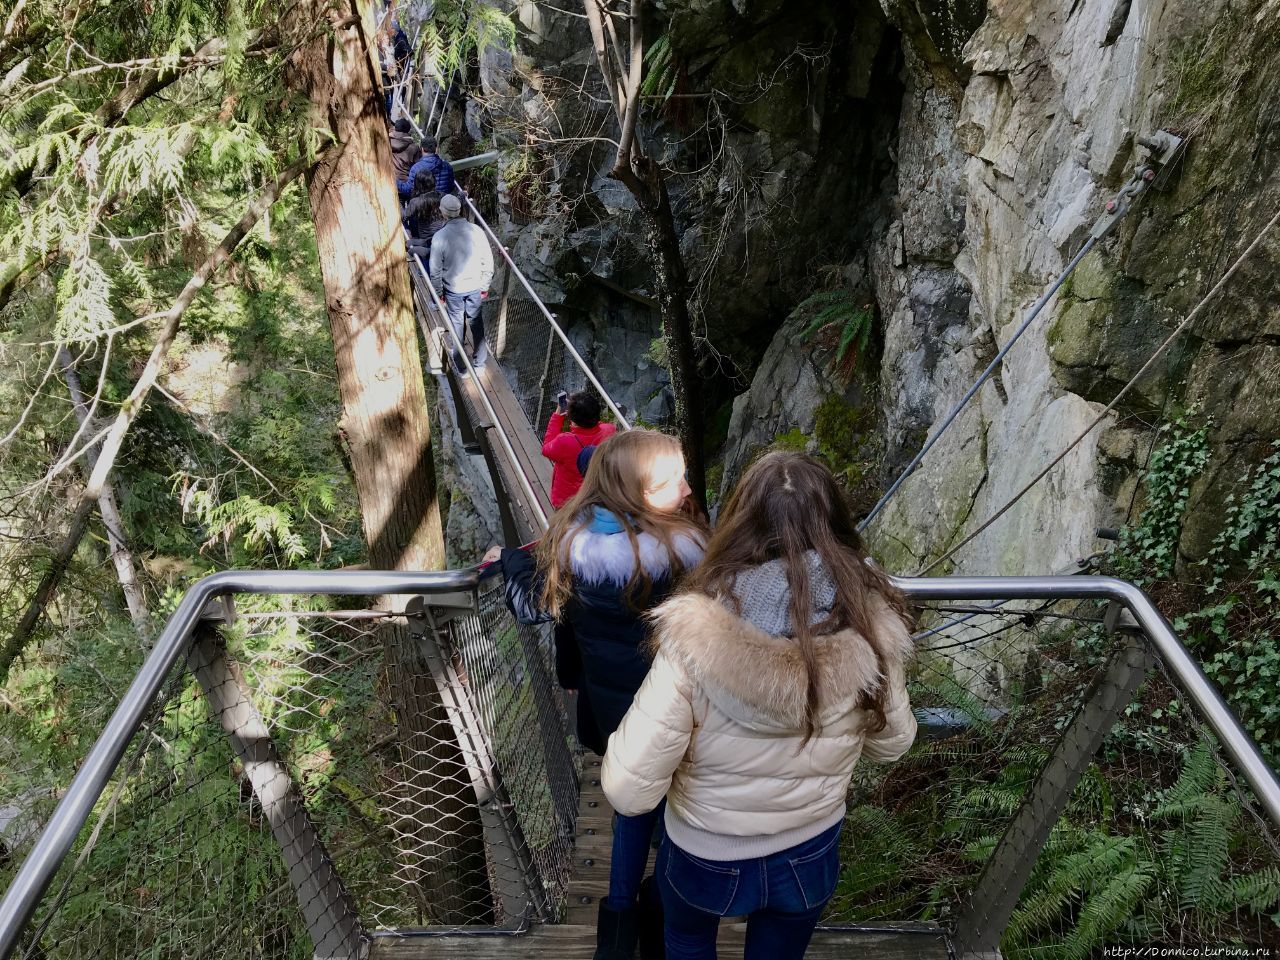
column 603, row 521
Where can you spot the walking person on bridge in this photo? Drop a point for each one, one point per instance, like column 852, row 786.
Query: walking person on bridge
column 405, row 149
column 430, row 165
column 779, row 664
column 422, row 220
column 563, row 447
column 615, row 550
column 462, row 268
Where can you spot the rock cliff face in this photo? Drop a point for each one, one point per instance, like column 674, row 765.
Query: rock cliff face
column 1040, row 130
column 944, row 162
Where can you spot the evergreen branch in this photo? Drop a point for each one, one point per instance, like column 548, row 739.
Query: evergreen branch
column 112, row 111
column 222, row 442
column 164, row 65
column 130, row 409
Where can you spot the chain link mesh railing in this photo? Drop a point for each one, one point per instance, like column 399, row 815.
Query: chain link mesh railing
column 1062, row 791
column 306, row 778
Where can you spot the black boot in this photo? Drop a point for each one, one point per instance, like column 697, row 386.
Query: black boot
column 652, row 944
column 616, row 933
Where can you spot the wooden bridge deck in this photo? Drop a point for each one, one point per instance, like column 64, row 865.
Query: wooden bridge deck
column 575, row 939
column 511, row 420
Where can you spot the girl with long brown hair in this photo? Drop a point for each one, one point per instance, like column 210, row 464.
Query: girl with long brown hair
column 780, row 663
column 614, row 551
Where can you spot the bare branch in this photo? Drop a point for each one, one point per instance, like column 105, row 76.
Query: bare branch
column 164, row 64
column 26, row 412
column 598, row 42
column 616, row 46
column 628, row 148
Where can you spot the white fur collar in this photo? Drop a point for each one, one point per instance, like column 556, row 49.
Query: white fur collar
column 609, row 558
column 737, row 663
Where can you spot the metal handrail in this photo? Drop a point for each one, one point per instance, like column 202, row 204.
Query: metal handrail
column 1239, row 746
column 59, row 834
column 551, row 319
column 37, row 871
column 507, row 446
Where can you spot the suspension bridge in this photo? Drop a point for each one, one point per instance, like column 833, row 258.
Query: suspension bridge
column 379, row 764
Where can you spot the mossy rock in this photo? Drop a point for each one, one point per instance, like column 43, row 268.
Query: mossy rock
column 1075, row 337
column 839, row 429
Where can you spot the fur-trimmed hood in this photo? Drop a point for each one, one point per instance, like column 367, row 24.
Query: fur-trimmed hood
column 758, row 678
column 597, row 558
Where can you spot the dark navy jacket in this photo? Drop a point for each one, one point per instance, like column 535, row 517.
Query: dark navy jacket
column 599, row 640
column 430, row 165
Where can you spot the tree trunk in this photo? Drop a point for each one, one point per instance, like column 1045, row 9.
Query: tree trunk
column 386, row 429
column 672, row 283
column 121, row 556
column 624, row 81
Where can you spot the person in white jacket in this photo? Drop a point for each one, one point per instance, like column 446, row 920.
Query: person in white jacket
column 461, row 267
column 779, row 664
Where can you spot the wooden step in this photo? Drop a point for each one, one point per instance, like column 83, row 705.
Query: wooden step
column 565, row 941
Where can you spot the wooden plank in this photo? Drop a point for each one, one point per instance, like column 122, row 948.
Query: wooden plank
column 564, row 941
column 514, row 423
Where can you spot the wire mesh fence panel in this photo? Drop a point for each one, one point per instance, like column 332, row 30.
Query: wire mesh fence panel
column 396, row 779
column 532, row 355
column 173, row 855
column 307, row 776
column 508, row 666
column 1059, row 791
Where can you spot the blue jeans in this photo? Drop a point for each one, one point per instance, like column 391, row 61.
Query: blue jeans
column 632, row 839
column 782, row 895
column 458, row 305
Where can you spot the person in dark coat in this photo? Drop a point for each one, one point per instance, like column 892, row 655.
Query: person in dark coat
column 610, row 554
column 422, row 220
column 405, row 149
column 432, row 166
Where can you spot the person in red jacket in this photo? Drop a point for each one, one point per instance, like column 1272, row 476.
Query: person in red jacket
column 562, row 446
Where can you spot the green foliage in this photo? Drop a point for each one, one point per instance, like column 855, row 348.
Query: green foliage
column 1225, row 606
column 457, row 33
column 1150, row 548
column 1142, row 853
column 662, row 72
column 841, row 316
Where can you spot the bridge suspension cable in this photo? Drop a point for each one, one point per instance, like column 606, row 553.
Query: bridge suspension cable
column 542, row 307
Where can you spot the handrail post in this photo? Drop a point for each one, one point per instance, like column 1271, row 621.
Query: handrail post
column 985, row 916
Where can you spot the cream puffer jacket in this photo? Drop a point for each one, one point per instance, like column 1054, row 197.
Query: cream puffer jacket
column 718, row 723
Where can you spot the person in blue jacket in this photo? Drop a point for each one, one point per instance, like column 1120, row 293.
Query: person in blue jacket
column 613, row 552
column 431, row 164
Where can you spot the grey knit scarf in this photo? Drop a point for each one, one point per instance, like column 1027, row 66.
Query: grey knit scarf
column 766, row 598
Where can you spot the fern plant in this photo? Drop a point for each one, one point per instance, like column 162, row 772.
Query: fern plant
column 1094, row 888
column 842, row 319
column 661, row 70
